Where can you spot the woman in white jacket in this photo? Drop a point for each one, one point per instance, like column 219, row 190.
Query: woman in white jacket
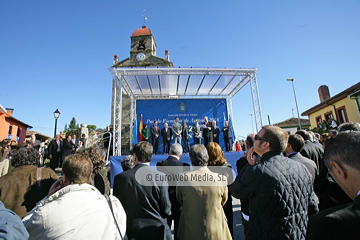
column 74, row 209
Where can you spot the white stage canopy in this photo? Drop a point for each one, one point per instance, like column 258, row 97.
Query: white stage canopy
column 170, row 82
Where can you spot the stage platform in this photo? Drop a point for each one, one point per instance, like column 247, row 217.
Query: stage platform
column 116, row 168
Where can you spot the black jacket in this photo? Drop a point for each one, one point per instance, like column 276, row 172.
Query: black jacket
column 52, row 148
column 240, row 164
column 146, row 207
column 313, row 152
column 227, row 132
column 308, row 163
column 67, row 147
column 166, row 134
column 341, row 222
column 172, row 162
column 281, row 197
column 185, row 133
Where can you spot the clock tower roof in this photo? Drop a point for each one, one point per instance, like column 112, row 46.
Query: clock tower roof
column 142, row 31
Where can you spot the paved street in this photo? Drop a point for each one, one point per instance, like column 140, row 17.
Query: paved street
column 238, row 227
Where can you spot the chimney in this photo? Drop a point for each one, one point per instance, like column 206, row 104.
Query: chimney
column 167, row 56
column 116, row 59
column 324, row 93
column 9, row 111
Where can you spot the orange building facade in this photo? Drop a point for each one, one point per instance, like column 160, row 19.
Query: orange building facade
column 10, row 127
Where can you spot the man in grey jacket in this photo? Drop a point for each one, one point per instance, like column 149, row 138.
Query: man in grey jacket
column 177, row 129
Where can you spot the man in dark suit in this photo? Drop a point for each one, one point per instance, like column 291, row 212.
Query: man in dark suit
column 155, row 135
column 75, row 142
column 107, row 138
column 314, row 138
column 216, row 132
column 207, row 129
column 240, row 164
column 54, row 149
column 294, row 146
column 146, row 205
column 68, row 147
column 34, row 142
column 316, row 153
column 166, row 134
column 342, row 158
column 166, row 167
column 227, row 136
column 311, row 150
column 196, row 129
column 83, row 139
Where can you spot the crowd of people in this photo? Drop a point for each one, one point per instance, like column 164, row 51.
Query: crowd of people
column 297, row 186
column 205, row 133
column 51, row 207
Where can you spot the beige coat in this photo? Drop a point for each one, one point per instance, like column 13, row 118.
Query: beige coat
column 202, row 215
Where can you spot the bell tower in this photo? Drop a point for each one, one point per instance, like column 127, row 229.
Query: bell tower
column 142, row 41
column 143, row 51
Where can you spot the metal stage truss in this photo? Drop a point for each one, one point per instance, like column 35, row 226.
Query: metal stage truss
column 176, row 83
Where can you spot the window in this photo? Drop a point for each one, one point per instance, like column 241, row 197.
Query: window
column 328, row 115
column 18, row 132
column 10, row 130
column 342, row 115
column 318, row 121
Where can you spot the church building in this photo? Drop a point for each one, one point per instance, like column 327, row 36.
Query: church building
column 142, row 54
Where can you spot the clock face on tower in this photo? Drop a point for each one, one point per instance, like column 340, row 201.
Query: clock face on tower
column 140, row 56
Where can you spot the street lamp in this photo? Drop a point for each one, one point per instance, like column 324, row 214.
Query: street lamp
column 297, row 109
column 56, row 116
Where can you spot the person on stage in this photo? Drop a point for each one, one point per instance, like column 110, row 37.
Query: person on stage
column 207, row 129
column 227, row 136
column 145, row 133
column 185, row 136
column 166, row 134
column 216, row 132
column 177, row 129
column 196, row 129
column 155, row 134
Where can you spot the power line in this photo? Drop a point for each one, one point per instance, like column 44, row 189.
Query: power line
column 45, row 127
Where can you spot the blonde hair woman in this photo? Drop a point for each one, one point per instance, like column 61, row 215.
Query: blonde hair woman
column 216, row 158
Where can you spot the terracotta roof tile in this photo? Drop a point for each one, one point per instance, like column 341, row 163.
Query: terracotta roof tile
column 292, row 122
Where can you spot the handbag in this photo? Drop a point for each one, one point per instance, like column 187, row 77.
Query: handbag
column 107, row 197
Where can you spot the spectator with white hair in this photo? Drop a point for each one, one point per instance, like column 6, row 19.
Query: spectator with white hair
column 127, row 163
column 167, row 166
column 202, row 214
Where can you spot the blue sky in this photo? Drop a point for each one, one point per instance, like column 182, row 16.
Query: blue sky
column 55, row 54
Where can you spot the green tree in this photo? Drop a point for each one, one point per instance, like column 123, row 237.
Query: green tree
column 100, row 130
column 72, row 125
column 66, row 129
column 91, row 128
